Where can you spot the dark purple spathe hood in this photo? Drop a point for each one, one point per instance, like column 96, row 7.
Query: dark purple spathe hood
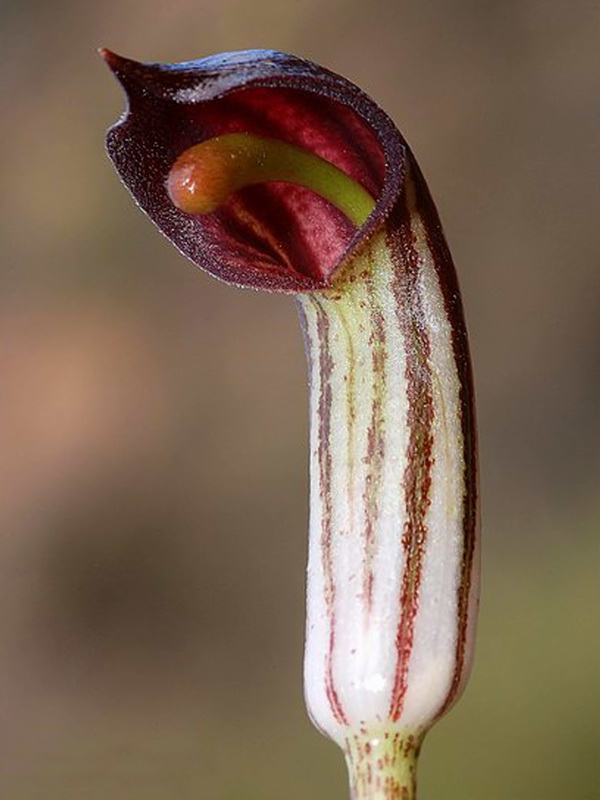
column 274, row 236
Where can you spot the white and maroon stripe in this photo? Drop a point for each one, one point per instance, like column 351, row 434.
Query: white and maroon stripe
column 390, row 587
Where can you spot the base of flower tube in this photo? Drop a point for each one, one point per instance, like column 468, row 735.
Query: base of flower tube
column 382, row 765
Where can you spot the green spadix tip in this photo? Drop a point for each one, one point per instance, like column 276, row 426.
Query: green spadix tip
column 205, row 175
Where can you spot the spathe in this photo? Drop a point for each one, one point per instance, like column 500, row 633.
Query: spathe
column 276, row 236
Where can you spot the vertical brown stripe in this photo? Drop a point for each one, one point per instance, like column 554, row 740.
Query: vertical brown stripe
column 324, row 461
column 417, row 475
column 308, row 347
column 350, row 396
column 449, row 286
column 375, row 444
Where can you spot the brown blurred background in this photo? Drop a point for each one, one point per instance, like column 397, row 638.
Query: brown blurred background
column 153, row 484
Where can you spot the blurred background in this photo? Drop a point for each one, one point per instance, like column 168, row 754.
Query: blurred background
column 153, row 465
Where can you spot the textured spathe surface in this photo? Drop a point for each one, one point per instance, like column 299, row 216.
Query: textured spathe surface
column 274, row 236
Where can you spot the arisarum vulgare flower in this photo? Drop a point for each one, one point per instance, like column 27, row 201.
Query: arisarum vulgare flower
column 271, row 172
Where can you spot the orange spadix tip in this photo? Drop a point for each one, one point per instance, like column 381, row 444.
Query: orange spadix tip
column 200, row 180
column 204, row 176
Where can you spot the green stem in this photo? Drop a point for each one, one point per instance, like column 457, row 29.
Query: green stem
column 382, row 766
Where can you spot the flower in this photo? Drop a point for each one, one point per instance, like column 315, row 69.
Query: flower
column 273, row 173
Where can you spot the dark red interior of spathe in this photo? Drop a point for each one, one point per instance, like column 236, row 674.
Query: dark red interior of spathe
column 275, row 235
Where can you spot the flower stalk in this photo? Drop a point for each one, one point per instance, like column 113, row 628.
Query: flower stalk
column 392, row 571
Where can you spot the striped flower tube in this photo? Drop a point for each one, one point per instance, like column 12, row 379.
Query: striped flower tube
column 270, row 172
